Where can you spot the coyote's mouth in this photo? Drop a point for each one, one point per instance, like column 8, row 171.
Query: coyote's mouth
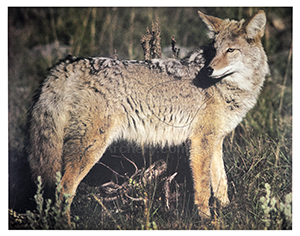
column 222, row 76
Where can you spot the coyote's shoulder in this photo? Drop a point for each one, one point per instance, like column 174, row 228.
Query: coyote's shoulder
column 87, row 103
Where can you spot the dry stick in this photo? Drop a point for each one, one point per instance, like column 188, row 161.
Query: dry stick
column 167, row 188
column 93, row 28
column 143, row 154
column 136, row 169
column 85, row 22
column 112, row 27
column 131, row 30
column 231, row 139
column 122, row 176
column 146, row 212
column 134, row 198
column 53, row 28
column 285, row 79
column 104, row 27
column 127, row 159
column 151, row 42
column 110, row 215
column 280, row 105
column 175, row 50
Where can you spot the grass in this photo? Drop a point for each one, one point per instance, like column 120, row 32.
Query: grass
column 257, row 154
column 251, row 164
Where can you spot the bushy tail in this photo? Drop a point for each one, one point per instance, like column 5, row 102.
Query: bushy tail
column 45, row 146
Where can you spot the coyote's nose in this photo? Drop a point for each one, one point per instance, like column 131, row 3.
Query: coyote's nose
column 209, row 71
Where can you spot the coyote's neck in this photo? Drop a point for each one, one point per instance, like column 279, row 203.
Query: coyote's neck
column 236, row 101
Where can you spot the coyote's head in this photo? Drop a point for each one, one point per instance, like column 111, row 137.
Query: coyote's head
column 239, row 53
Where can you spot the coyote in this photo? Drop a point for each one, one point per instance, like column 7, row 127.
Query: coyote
column 87, row 103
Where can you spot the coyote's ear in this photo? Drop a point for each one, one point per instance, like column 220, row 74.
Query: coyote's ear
column 255, row 26
column 212, row 23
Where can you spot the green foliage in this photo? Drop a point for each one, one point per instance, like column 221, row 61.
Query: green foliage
column 276, row 214
column 47, row 216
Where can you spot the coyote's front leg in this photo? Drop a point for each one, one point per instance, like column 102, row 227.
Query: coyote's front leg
column 218, row 175
column 201, row 153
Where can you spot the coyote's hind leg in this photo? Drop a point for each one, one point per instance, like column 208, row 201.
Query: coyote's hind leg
column 79, row 156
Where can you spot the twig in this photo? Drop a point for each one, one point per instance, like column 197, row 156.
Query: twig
column 122, row 176
column 136, row 169
column 54, row 30
column 84, row 24
column 151, row 42
column 167, row 188
column 280, row 106
column 285, row 79
column 115, row 56
column 174, row 50
column 134, row 198
column 155, row 170
column 136, row 182
column 110, row 215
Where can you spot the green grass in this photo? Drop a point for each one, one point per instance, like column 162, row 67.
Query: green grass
column 256, row 153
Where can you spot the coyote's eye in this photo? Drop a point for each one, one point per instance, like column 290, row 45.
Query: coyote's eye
column 230, row 50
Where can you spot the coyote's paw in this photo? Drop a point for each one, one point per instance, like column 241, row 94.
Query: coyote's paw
column 222, row 196
column 204, row 211
column 224, row 200
column 220, row 192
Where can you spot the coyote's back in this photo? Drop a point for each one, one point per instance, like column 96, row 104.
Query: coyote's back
column 87, row 103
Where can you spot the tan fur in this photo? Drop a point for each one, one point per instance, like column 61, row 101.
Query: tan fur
column 86, row 104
